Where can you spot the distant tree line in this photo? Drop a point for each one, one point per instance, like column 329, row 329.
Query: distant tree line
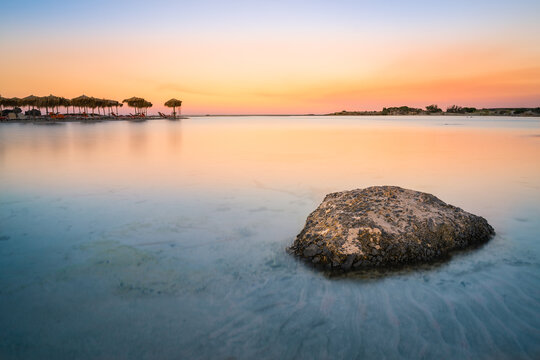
column 401, row 110
column 454, row 109
column 433, row 109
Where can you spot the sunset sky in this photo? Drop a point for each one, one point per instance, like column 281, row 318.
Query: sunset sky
column 262, row 57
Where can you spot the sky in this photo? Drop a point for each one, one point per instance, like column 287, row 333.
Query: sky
column 275, row 57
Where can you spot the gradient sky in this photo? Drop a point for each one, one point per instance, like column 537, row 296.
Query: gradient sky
column 292, row 56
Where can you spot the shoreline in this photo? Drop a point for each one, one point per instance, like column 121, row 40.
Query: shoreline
column 45, row 121
column 51, row 121
column 387, row 115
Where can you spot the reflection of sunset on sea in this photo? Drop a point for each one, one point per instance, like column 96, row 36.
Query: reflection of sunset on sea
column 276, row 57
column 287, row 153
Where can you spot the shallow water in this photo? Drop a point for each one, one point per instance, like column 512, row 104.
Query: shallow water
column 166, row 239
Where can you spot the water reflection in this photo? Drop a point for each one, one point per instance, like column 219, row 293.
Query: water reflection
column 138, row 138
column 168, row 239
column 174, row 132
column 292, row 156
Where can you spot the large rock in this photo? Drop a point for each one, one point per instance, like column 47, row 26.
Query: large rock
column 384, row 226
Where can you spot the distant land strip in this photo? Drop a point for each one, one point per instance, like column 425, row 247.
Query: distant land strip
column 452, row 110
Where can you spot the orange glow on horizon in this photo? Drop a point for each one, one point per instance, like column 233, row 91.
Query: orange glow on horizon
column 293, row 76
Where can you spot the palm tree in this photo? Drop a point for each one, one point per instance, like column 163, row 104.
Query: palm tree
column 174, row 103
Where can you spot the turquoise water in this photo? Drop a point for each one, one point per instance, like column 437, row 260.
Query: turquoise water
column 167, row 239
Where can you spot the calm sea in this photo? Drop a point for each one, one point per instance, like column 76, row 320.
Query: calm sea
column 167, row 239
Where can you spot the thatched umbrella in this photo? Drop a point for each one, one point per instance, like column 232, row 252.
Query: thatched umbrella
column 93, row 103
column 174, row 103
column 52, row 102
column 103, row 104
column 4, row 102
column 66, row 103
column 107, row 104
column 31, row 101
column 136, row 103
column 15, row 101
column 113, row 103
column 117, row 105
column 110, row 104
column 133, row 102
column 43, row 102
column 11, row 102
column 82, row 101
column 146, row 105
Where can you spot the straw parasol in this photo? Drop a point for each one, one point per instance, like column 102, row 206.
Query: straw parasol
column 4, row 102
column 52, row 102
column 108, row 103
column 82, row 101
column 117, row 105
column 65, row 103
column 147, row 105
column 103, row 104
column 11, row 102
column 31, row 101
column 134, row 102
column 114, row 103
column 137, row 103
column 93, row 103
column 174, row 103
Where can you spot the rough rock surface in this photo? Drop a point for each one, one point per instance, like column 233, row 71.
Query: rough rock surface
column 384, row 226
